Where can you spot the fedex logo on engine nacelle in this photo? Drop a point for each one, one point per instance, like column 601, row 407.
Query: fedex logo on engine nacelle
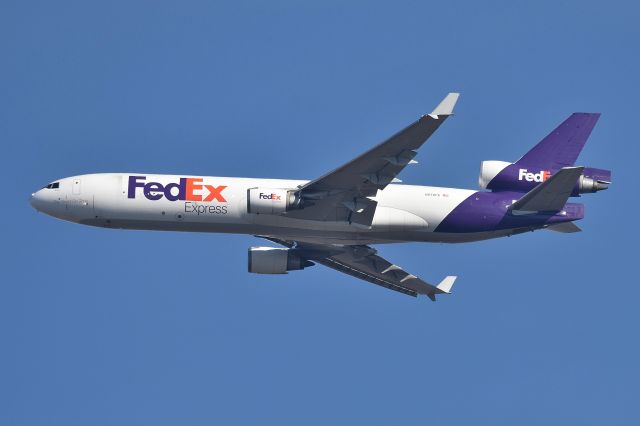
column 272, row 196
column 541, row 176
column 188, row 189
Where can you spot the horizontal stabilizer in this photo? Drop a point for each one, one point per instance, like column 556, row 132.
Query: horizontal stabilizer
column 564, row 227
column 552, row 194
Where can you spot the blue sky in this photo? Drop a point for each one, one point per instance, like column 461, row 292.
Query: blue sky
column 107, row 327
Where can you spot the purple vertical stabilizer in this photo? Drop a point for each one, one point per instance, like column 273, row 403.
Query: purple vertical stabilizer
column 558, row 149
column 562, row 146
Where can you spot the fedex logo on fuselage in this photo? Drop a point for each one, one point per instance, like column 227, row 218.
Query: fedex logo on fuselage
column 274, row 197
column 541, row 176
column 187, row 189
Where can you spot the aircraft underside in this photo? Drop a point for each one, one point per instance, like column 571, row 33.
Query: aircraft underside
column 309, row 235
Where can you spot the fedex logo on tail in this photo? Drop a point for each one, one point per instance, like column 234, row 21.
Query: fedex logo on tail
column 541, row 176
column 187, row 189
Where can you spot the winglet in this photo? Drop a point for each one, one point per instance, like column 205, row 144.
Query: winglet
column 446, row 284
column 444, row 287
column 446, row 106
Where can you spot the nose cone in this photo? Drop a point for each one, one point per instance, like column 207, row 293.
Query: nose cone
column 47, row 201
column 36, row 200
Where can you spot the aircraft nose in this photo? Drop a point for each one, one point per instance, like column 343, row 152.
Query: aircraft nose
column 50, row 200
column 36, row 200
column 44, row 202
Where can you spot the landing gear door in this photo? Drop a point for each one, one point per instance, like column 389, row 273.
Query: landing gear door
column 76, row 187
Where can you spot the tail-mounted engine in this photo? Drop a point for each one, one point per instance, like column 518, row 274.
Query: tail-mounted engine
column 271, row 200
column 271, row 260
column 504, row 176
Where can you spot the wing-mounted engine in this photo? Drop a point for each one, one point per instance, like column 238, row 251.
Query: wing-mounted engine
column 504, row 176
column 272, row 260
column 272, row 200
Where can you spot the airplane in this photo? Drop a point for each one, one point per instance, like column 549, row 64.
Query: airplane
column 335, row 219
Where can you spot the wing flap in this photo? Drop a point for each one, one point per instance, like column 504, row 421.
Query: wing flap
column 349, row 270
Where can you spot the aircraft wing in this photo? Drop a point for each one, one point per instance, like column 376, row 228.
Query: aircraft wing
column 363, row 262
column 343, row 194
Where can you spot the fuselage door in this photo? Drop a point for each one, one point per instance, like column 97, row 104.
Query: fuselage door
column 76, row 186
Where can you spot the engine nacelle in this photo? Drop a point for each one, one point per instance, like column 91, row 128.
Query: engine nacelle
column 272, row 260
column 271, row 200
column 504, row 176
column 489, row 170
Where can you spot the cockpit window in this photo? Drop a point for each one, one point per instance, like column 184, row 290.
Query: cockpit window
column 54, row 185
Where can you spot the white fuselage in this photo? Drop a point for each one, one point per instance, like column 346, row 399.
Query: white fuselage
column 219, row 204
